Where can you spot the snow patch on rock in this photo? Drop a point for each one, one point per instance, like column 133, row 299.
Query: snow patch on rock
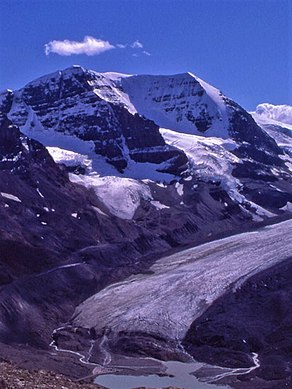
column 121, row 196
column 10, row 197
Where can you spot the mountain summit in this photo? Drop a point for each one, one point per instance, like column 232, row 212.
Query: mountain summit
column 96, row 106
column 150, row 127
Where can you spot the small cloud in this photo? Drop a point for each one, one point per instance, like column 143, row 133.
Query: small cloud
column 121, row 46
column 137, row 45
column 146, row 52
column 134, row 55
column 89, row 46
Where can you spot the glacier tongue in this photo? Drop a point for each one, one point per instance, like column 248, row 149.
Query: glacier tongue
column 182, row 286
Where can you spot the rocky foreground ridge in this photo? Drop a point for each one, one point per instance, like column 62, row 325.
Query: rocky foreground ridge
column 12, row 377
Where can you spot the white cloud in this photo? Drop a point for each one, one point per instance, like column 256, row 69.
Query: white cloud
column 281, row 113
column 137, row 45
column 89, row 46
column 121, row 45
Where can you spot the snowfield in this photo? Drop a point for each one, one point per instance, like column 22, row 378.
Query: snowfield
column 168, row 101
column 121, row 196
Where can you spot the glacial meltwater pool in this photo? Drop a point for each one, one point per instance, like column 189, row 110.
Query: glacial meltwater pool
column 182, row 379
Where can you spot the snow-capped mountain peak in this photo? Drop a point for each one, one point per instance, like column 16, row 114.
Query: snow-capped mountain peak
column 181, row 102
column 107, row 124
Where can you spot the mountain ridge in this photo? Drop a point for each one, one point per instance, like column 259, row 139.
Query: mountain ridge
column 100, row 109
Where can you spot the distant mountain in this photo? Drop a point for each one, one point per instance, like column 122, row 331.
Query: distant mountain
column 276, row 120
column 279, row 113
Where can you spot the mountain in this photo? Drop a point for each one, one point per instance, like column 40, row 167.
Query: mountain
column 67, row 102
column 107, row 119
column 44, row 220
column 279, row 113
column 90, row 105
column 56, row 236
column 276, row 120
column 104, row 173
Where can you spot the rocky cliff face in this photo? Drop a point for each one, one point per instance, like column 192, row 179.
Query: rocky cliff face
column 106, row 108
column 45, row 221
column 187, row 104
column 117, row 116
column 220, row 335
column 68, row 102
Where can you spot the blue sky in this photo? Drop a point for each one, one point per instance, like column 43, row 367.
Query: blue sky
column 240, row 46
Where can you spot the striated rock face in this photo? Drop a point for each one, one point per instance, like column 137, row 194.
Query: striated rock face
column 179, row 102
column 106, row 108
column 187, row 104
column 69, row 102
